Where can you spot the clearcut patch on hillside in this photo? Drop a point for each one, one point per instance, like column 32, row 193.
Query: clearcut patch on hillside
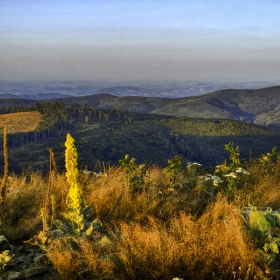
column 20, row 122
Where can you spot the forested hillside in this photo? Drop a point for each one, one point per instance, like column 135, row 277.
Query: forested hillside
column 259, row 106
column 107, row 135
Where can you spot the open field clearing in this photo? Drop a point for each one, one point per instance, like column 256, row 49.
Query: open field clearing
column 20, row 122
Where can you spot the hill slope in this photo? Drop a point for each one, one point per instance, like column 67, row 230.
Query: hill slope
column 148, row 138
column 259, row 106
column 256, row 106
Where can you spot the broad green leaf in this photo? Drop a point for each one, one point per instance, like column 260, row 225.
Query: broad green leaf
column 277, row 219
column 258, row 222
column 57, row 232
column 105, row 241
column 87, row 211
column 58, row 223
column 270, row 219
column 274, row 248
column 72, row 225
column 12, row 275
column 23, row 258
column 266, row 247
column 95, row 225
column 89, row 230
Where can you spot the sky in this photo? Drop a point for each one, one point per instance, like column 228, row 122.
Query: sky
column 140, row 40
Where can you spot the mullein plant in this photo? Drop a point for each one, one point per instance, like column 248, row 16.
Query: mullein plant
column 75, row 200
column 78, row 212
column 76, row 223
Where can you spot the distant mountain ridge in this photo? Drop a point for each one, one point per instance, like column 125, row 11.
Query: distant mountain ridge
column 32, row 90
column 37, row 96
column 259, row 106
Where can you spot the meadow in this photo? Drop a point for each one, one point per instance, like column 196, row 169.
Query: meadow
column 133, row 221
column 20, row 122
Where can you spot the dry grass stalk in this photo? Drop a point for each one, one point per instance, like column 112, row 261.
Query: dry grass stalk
column 6, row 167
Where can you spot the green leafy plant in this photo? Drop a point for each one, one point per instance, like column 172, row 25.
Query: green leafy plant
column 269, row 160
column 5, row 258
column 226, row 178
column 264, row 225
column 136, row 175
column 234, row 154
column 171, row 171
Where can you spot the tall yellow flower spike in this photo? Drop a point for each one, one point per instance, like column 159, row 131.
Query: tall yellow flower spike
column 75, row 199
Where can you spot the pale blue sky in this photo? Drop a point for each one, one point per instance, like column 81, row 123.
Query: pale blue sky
column 114, row 40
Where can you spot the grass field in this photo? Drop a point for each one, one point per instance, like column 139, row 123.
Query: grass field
column 20, row 122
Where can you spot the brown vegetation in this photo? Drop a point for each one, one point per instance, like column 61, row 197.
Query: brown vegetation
column 20, row 122
column 155, row 236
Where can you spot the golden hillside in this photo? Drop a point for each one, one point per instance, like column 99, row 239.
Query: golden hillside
column 20, row 122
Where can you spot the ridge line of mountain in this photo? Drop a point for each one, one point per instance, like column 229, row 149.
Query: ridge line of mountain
column 260, row 106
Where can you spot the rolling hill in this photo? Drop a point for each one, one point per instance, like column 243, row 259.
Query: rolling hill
column 151, row 129
column 147, row 137
column 259, row 106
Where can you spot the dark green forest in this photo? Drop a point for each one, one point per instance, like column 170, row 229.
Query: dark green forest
column 108, row 134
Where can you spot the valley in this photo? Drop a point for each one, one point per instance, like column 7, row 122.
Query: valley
column 106, row 135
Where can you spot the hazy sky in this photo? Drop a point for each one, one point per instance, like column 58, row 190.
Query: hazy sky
column 127, row 40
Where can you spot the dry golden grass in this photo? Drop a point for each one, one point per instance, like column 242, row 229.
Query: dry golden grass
column 262, row 188
column 64, row 259
column 20, row 122
column 216, row 242
column 26, row 195
column 180, row 247
column 155, row 236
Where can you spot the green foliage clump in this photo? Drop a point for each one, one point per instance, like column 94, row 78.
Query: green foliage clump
column 234, row 154
column 171, row 171
column 264, row 227
column 269, row 160
column 226, row 178
column 137, row 176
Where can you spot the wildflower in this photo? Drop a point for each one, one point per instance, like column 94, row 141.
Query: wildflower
column 5, row 257
column 221, row 168
column 241, row 170
column 216, row 183
column 217, row 178
column 74, row 200
column 231, row 174
column 246, row 172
